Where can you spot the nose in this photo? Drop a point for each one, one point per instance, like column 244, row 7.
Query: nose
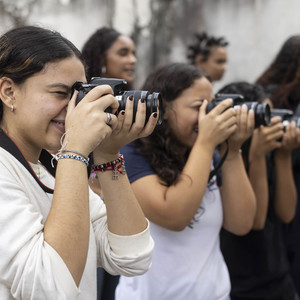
column 132, row 58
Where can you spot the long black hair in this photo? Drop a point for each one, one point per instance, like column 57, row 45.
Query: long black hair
column 95, row 48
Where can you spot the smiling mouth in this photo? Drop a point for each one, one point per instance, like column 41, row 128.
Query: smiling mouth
column 130, row 71
column 60, row 125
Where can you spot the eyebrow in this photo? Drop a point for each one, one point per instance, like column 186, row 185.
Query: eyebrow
column 199, row 100
column 59, row 85
column 126, row 48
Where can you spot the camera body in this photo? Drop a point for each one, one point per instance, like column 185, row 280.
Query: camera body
column 153, row 101
column 286, row 115
column 262, row 111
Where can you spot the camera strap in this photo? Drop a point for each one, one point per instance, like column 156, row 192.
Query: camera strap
column 45, row 158
column 218, row 167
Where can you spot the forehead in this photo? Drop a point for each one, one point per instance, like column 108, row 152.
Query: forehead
column 122, row 41
column 199, row 90
column 218, row 51
column 67, row 70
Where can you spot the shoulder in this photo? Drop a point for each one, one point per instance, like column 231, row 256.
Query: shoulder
column 137, row 165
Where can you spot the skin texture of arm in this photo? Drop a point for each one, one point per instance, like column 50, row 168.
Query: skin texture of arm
column 239, row 204
column 264, row 140
column 285, row 189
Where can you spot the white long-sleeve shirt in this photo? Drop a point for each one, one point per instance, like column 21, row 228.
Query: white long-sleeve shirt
column 29, row 267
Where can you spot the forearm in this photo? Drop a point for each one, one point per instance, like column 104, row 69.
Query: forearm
column 259, row 181
column 239, row 203
column 184, row 198
column 124, row 214
column 67, row 226
column 285, row 190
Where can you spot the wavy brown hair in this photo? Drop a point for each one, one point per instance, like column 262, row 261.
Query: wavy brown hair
column 162, row 148
column 282, row 77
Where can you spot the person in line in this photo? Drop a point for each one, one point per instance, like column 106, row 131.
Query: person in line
column 281, row 79
column 257, row 262
column 54, row 230
column 209, row 53
column 171, row 175
column 108, row 53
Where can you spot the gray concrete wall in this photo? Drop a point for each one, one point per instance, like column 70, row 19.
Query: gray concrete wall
column 255, row 28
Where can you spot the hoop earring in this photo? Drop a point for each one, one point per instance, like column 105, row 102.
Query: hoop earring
column 103, row 70
column 12, row 108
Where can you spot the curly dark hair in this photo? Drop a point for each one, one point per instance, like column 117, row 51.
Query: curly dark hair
column 202, row 46
column 94, row 50
column 162, row 148
column 282, row 77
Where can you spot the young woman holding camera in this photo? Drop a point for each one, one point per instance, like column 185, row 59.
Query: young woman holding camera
column 55, row 231
column 281, row 80
column 257, row 262
column 170, row 175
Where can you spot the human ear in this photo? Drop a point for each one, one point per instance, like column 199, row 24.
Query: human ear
column 199, row 60
column 7, row 92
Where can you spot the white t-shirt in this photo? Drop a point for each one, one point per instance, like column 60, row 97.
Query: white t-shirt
column 186, row 265
column 29, row 267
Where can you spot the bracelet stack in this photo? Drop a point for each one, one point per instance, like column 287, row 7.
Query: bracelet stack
column 117, row 166
column 77, row 157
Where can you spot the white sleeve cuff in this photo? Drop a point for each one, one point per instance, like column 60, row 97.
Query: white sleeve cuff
column 131, row 245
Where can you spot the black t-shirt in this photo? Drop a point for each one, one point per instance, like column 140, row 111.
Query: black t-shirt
column 257, row 262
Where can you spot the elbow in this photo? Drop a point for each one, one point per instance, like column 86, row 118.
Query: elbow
column 175, row 224
column 259, row 225
column 286, row 218
column 242, row 228
column 178, row 226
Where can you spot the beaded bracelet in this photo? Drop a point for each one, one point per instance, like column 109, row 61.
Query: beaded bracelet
column 58, row 157
column 117, row 166
column 74, row 152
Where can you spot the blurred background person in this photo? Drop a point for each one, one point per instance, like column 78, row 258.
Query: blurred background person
column 282, row 80
column 110, row 54
column 257, row 262
column 209, row 53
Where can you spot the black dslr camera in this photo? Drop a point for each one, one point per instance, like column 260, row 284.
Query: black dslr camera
column 153, row 101
column 286, row 115
column 262, row 111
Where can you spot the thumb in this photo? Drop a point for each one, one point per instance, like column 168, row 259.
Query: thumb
column 72, row 103
column 202, row 110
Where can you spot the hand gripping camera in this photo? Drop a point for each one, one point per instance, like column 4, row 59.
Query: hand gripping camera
column 153, row 101
column 286, row 115
column 262, row 111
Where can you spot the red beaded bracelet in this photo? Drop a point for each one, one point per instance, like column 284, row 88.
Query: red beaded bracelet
column 117, row 166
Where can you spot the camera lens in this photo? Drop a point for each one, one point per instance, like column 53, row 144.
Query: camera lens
column 262, row 113
column 153, row 103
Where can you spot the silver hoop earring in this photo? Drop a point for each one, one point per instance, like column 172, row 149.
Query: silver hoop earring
column 12, row 108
